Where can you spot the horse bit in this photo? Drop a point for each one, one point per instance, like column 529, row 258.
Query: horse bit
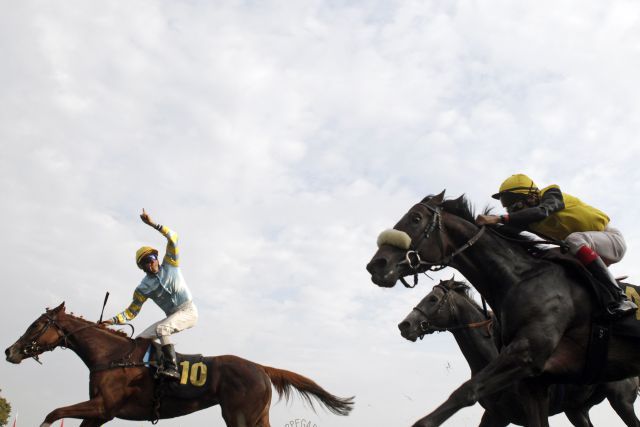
column 33, row 349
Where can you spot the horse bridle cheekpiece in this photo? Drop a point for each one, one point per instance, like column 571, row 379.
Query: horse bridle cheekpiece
column 33, row 349
column 412, row 257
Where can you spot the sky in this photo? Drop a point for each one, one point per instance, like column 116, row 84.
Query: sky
column 278, row 139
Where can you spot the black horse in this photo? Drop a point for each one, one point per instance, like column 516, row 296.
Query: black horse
column 544, row 308
column 449, row 307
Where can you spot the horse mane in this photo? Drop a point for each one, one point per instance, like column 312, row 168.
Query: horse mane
column 98, row 326
column 461, row 207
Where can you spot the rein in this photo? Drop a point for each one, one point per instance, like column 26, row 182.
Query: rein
column 33, row 349
column 527, row 242
column 417, row 264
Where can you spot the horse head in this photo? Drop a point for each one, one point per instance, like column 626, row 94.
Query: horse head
column 44, row 334
column 409, row 246
column 436, row 312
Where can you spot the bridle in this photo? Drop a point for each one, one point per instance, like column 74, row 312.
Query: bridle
column 412, row 257
column 34, row 349
column 426, row 326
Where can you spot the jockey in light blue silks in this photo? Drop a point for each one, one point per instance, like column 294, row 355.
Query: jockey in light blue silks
column 165, row 285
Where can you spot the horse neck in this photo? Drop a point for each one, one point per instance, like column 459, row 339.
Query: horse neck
column 93, row 345
column 476, row 344
column 492, row 265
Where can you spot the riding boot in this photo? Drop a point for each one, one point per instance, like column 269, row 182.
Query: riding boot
column 170, row 363
column 619, row 305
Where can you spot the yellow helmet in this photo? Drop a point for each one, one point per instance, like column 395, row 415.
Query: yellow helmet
column 519, row 184
column 143, row 252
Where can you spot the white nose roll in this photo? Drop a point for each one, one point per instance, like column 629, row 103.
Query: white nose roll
column 396, row 238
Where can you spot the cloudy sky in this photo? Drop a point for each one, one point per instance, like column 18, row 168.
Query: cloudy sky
column 278, row 138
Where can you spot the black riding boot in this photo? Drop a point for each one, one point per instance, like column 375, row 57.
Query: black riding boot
column 620, row 305
column 169, row 364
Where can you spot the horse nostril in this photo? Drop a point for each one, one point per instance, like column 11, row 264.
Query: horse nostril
column 6, row 352
column 404, row 326
column 376, row 264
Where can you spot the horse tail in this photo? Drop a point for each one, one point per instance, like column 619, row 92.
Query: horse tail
column 283, row 380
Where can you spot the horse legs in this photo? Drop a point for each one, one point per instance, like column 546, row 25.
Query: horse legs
column 535, row 399
column 514, row 363
column 621, row 395
column 578, row 418
column 94, row 422
column 92, row 409
column 490, row 420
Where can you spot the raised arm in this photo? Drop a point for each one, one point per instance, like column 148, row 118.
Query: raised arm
column 171, row 255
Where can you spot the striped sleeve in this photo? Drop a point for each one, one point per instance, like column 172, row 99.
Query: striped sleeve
column 172, row 253
column 132, row 311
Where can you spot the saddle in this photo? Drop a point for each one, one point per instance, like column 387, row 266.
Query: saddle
column 194, row 372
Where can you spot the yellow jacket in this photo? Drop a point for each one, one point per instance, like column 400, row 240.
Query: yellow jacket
column 575, row 216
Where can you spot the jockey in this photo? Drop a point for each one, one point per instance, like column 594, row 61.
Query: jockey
column 551, row 213
column 165, row 285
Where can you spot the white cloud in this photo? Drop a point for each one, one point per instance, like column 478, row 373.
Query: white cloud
column 278, row 139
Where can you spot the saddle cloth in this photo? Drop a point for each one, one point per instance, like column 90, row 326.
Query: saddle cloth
column 195, row 373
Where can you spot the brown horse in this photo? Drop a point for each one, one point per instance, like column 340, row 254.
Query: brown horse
column 545, row 309
column 449, row 307
column 121, row 386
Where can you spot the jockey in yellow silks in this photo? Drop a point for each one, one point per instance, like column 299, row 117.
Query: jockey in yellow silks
column 553, row 214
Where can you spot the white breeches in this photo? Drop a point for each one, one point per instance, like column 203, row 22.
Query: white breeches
column 184, row 318
column 609, row 243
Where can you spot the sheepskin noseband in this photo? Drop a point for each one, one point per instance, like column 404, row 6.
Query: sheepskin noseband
column 396, row 238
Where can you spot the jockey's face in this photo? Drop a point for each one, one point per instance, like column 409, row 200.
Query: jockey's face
column 514, row 202
column 150, row 265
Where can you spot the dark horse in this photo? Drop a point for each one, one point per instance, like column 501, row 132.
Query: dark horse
column 545, row 309
column 449, row 307
column 241, row 388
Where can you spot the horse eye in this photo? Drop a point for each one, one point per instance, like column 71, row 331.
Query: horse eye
column 416, row 218
column 433, row 299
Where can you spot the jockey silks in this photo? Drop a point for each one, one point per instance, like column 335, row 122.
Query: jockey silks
column 167, row 288
column 562, row 217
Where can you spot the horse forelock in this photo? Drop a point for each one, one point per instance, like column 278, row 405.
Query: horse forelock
column 462, row 289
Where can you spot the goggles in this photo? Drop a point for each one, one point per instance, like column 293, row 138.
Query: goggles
column 148, row 259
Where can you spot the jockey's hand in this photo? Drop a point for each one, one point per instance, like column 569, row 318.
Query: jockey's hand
column 107, row 322
column 144, row 216
column 487, row 219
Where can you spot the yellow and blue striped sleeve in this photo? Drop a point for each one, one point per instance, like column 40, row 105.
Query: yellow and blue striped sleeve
column 172, row 253
column 132, row 311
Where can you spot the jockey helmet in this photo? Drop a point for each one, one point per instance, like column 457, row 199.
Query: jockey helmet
column 518, row 184
column 144, row 251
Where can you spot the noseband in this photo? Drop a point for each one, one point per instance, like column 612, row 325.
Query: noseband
column 412, row 257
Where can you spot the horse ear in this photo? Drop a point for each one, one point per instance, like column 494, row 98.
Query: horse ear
column 460, row 286
column 449, row 283
column 438, row 198
column 59, row 308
